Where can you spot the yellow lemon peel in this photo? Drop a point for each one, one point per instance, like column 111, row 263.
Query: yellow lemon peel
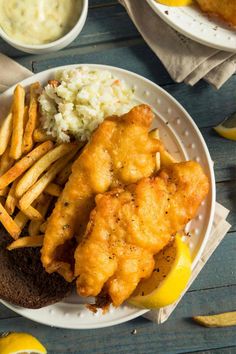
column 175, row 2
column 20, row 343
column 169, row 278
column 227, row 129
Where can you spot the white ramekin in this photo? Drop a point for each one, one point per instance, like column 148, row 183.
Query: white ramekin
column 52, row 46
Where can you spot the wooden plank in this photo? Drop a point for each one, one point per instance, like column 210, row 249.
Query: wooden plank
column 229, row 350
column 178, row 335
column 222, row 153
column 6, row 313
column 101, row 3
column 103, row 42
column 207, row 106
column 137, row 57
column 226, row 194
column 224, row 261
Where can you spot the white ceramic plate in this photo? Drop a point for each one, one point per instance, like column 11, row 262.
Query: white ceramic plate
column 184, row 141
column 197, row 25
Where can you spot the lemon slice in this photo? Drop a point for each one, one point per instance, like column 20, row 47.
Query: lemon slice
column 169, row 278
column 20, row 343
column 227, row 129
column 175, row 2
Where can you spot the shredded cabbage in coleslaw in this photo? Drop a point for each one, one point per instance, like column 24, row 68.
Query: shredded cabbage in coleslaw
column 84, row 98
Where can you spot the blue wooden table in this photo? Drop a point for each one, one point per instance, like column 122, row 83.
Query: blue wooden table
column 110, row 38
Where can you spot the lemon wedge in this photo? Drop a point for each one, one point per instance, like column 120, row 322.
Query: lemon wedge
column 169, row 278
column 175, row 2
column 19, row 343
column 227, row 129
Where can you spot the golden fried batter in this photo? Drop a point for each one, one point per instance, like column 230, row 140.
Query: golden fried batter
column 226, row 9
column 120, row 152
column 130, row 225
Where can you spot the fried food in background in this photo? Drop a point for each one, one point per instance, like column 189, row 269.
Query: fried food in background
column 130, row 225
column 225, row 9
column 120, row 152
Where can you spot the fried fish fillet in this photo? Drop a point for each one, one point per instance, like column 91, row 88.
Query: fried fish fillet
column 226, row 9
column 130, row 225
column 120, row 152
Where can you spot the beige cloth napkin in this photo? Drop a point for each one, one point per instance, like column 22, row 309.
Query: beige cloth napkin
column 184, row 59
column 13, row 73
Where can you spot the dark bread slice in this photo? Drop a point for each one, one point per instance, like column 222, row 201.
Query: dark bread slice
column 23, row 280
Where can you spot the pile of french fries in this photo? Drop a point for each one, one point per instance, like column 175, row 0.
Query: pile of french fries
column 33, row 170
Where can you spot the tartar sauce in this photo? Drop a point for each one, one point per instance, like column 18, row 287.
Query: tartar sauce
column 38, row 21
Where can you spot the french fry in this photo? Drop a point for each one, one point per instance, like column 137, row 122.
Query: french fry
column 155, row 134
column 43, row 182
column 158, row 161
column 165, row 157
column 54, row 83
column 53, row 189
column 4, row 192
column 32, row 175
column 42, row 207
column 27, row 241
column 26, row 162
column 5, row 132
column 18, row 122
column 11, row 200
column 63, row 176
column 26, row 115
column 2, row 200
column 220, row 320
column 43, row 226
column 21, row 219
column 40, row 136
column 33, row 115
column 32, row 213
column 9, row 224
column 40, row 199
column 6, row 161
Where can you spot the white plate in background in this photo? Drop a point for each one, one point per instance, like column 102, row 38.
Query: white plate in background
column 197, row 25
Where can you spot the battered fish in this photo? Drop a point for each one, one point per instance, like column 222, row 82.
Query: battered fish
column 120, row 152
column 130, row 225
column 226, row 9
